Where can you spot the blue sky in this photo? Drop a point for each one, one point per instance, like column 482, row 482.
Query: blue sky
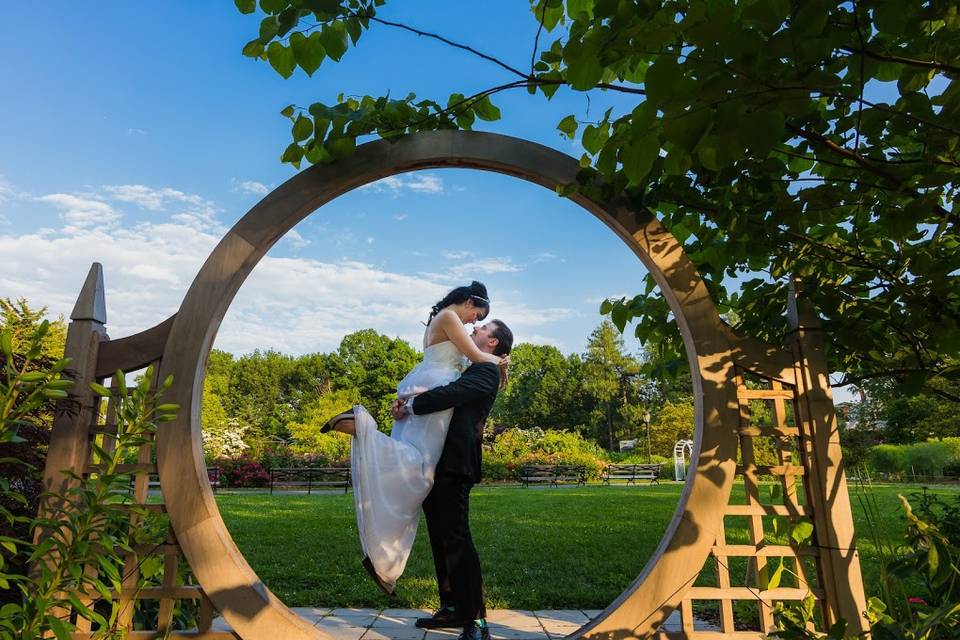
column 136, row 134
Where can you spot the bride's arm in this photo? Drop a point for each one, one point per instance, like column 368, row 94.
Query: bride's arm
column 451, row 326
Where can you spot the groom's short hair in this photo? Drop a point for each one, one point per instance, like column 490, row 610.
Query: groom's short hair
column 504, row 338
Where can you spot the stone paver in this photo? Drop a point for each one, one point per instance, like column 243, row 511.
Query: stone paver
column 398, row 624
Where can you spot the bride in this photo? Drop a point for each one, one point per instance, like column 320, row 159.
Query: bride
column 393, row 474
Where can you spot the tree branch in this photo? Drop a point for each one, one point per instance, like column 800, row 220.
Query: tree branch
column 869, row 165
column 536, row 40
column 457, row 45
column 925, row 64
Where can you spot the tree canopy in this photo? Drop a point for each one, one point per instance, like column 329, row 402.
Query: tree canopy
column 774, row 138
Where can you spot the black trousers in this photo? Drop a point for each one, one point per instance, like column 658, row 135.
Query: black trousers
column 447, row 511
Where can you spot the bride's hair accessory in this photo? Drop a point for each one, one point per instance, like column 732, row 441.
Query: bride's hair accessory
column 475, row 291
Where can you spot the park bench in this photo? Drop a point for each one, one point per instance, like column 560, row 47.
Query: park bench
column 310, row 477
column 553, row 473
column 632, row 472
column 213, row 475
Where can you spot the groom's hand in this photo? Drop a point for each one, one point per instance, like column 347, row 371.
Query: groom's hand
column 398, row 410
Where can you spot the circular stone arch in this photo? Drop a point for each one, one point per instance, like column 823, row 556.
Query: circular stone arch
column 220, row 568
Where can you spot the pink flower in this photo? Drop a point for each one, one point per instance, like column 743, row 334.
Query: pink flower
column 917, row 601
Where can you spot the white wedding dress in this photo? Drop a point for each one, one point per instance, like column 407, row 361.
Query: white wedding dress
column 393, row 474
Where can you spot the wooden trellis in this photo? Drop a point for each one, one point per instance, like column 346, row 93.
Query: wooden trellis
column 715, row 550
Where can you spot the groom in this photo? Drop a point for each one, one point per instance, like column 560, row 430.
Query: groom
column 447, row 505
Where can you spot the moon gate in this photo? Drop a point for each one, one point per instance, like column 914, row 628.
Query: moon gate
column 792, row 380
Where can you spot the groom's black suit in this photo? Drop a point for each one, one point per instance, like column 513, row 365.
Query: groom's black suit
column 447, row 505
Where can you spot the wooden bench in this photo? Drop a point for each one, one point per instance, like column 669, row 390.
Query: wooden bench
column 310, row 477
column 632, row 472
column 213, row 475
column 553, row 474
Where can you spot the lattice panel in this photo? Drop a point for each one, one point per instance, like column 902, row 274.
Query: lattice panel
column 157, row 587
column 733, row 596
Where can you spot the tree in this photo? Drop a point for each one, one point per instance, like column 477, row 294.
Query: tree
column 23, row 322
column 674, row 422
column 607, row 373
column 373, row 364
column 258, row 394
column 544, row 390
column 306, row 433
column 766, row 135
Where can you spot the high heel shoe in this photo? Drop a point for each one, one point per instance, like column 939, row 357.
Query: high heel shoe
column 332, row 422
column 376, row 578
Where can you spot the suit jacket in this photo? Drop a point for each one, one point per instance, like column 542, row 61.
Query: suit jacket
column 471, row 396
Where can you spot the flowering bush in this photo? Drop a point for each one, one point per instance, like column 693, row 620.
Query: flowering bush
column 514, row 448
column 243, row 471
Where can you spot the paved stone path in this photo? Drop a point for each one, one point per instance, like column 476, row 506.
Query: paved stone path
column 397, row 624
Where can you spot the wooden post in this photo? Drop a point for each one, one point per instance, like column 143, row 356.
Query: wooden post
column 833, row 519
column 68, row 449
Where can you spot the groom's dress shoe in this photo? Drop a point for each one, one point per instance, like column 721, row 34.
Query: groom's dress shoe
column 473, row 632
column 443, row 618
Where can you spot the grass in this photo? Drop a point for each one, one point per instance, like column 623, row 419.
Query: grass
column 540, row 548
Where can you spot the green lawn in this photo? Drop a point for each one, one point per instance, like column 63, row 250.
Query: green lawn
column 540, row 548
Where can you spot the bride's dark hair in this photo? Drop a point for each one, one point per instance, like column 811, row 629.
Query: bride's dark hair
column 475, row 292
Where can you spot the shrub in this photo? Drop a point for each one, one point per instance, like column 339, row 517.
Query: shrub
column 514, row 448
column 886, row 458
column 931, row 458
column 241, row 472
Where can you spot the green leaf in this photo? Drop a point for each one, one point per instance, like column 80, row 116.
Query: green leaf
column 292, row 154
column 486, row 110
column 100, row 390
column 760, row 132
column 302, row 128
column 580, row 9
column 287, row 111
column 246, row 6
column 583, row 70
column 333, row 37
column 801, row 531
column 60, row 628
column 6, row 342
column 281, row 59
column 686, row 129
column 776, row 576
column 594, row 137
column 662, row 81
column 342, row 147
column 767, row 15
column 568, row 126
column 268, row 29
column 308, row 51
column 253, row 49
column 638, row 156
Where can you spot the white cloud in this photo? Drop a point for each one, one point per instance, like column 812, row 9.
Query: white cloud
column 159, row 199
column 6, row 191
column 81, row 211
column 252, row 186
column 294, row 304
column 546, row 256
column 484, row 266
column 416, row 182
column 400, row 216
column 456, row 255
column 133, row 131
column 296, row 240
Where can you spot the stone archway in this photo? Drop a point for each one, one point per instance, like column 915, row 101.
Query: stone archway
column 718, row 359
